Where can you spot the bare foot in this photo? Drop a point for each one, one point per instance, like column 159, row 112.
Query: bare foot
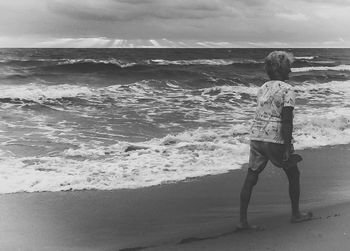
column 301, row 217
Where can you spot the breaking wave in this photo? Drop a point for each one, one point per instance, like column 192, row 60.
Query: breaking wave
column 322, row 68
column 172, row 158
column 176, row 156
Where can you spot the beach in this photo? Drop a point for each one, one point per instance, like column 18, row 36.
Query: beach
column 118, row 149
column 197, row 214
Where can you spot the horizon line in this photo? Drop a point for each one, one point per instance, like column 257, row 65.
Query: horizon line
column 302, row 47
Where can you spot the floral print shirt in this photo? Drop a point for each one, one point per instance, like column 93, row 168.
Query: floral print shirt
column 267, row 123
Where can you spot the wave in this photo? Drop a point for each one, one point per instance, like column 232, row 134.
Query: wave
column 126, row 165
column 172, row 158
column 305, row 57
column 119, row 63
column 92, row 65
column 123, row 63
column 310, row 64
column 322, row 68
column 227, row 89
column 177, row 156
column 40, row 93
column 154, row 89
column 77, row 97
column 216, row 62
column 27, row 63
column 159, row 92
column 322, row 128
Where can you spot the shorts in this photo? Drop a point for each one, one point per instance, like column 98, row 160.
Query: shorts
column 261, row 152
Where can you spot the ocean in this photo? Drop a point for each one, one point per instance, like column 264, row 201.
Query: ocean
column 74, row 119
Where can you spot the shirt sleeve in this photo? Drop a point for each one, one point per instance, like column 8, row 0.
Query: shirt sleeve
column 289, row 98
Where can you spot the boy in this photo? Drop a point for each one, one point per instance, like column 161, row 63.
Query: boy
column 271, row 136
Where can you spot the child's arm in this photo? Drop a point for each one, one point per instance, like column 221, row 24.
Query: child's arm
column 287, row 129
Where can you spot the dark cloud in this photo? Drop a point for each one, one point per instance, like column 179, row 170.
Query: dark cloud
column 122, row 10
column 255, row 21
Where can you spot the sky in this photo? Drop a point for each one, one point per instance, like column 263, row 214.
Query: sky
column 174, row 23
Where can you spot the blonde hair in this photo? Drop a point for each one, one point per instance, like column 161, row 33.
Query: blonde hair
column 278, row 63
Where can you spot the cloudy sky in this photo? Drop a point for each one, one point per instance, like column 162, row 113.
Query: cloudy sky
column 174, row 23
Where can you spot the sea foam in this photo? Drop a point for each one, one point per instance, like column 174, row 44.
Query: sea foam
column 40, row 92
column 172, row 158
column 322, row 68
column 202, row 62
column 176, row 156
column 305, row 57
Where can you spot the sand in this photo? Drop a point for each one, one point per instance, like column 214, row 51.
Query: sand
column 198, row 214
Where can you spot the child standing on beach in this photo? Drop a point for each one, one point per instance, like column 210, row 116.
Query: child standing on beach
column 271, row 135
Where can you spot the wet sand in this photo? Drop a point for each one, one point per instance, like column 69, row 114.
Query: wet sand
column 198, row 214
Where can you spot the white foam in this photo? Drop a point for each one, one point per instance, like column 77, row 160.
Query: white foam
column 200, row 62
column 323, row 128
column 125, row 94
column 334, row 93
column 119, row 63
column 305, row 57
column 228, row 89
column 41, row 93
column 173, row 158
column 322, row 68
column 193, row 153
column 324, row 120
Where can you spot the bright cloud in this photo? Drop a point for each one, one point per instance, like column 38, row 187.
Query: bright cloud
column 77, row 42
column 292, row 16
column 102, row 42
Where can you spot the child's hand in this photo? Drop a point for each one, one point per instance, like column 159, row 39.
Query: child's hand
column 289, row 150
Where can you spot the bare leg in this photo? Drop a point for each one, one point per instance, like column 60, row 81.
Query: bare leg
column 246, row 192
column 293, row 175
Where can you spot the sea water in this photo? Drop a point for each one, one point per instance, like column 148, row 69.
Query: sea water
column 76, row 119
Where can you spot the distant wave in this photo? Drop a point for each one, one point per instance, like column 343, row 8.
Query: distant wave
column 312, row 63
column 202, row 62
column 322, row 68
column 155, row 91
column 91, row 65
column 154, row 62
column 65, row 63
column 145, row 69
column 29, row 62
column 305, row 57
column 51, row 94
column 123, row 63
column 40, row 92
column 324, row 62
column 119, row 63
column 99, row 63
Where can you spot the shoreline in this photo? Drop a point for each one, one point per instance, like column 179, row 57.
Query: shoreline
column 175, row 182
column 164, row 215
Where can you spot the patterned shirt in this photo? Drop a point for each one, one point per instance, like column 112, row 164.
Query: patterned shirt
column 267, row 123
